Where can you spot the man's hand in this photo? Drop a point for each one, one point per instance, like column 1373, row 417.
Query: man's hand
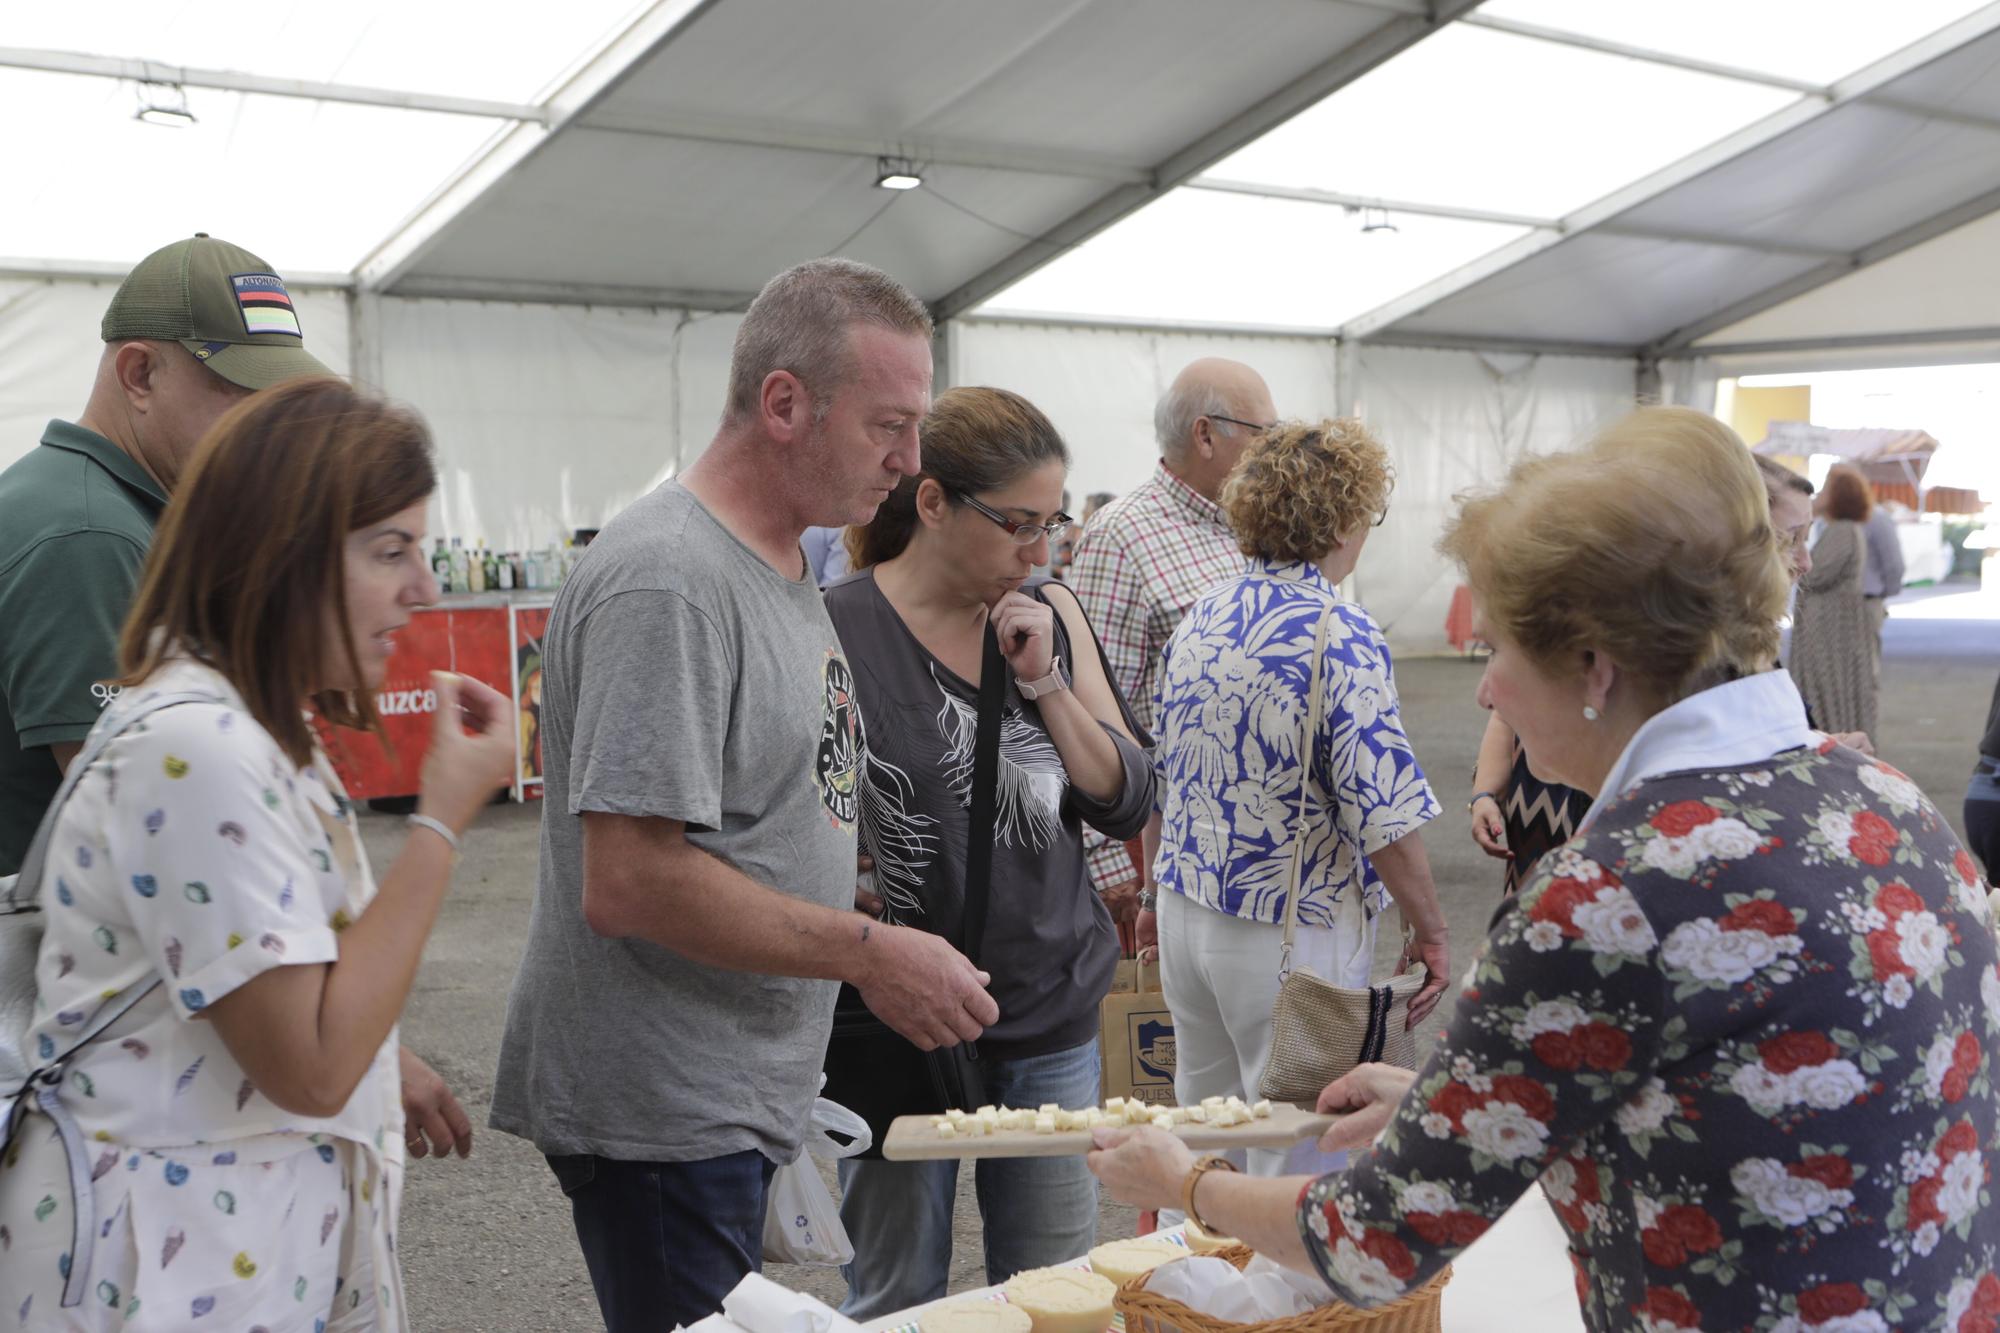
column 434, row 1124
column 924, row 989
column 1369, row 1094
column 1147, row 931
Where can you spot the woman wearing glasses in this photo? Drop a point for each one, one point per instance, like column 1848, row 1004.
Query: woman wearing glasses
column 1232, row 710
column 950, row 552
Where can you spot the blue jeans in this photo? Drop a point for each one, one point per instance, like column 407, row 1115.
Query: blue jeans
column 666, row 1241
column 1036, row 1211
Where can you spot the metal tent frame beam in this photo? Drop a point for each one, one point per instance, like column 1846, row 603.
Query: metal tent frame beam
column 1805, row 111
column 1355, row 202
column 1387, row 41
column 1683, row 339
column 186, row 76
column 664, row 21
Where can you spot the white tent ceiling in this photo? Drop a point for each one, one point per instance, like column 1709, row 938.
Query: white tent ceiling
column 1633, row 178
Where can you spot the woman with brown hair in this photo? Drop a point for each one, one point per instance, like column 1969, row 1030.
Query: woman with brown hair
column 1832, row 655
column 238, row 1118
column 949, row 554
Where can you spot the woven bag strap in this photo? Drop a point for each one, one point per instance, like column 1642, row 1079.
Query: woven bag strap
column 1315, row 714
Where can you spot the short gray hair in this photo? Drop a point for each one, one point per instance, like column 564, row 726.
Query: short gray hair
column 799, row 323
column 1179, row 408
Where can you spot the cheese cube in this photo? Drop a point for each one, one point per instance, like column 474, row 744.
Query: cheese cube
column 1116, row 1104
column 948, row 1130
column 1179, row 1115
column 1045, row 1124
column 1212, row 1102
column 1050, row 1108
column 1136, row 1112
column 987, row 1110
column 1262, row 1110
column 1163, row 1121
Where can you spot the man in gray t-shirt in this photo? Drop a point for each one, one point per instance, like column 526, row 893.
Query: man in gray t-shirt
column 694, row 909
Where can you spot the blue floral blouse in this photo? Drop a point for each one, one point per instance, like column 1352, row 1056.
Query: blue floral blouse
column 1231, row 708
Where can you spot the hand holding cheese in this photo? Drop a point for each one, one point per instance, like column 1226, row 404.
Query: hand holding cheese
column 922, row 987
column 1142, row 1167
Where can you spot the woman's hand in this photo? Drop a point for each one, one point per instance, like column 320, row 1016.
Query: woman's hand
column 1027, row 632
column 1142, row 1167
column 1489, row 830
column 1368, row 1094
column 1432, row 948
column 471, row 753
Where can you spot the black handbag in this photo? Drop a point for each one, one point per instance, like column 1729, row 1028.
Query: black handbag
column 871, row 1069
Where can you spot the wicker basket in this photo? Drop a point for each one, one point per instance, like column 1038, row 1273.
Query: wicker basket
column 1418, row 1312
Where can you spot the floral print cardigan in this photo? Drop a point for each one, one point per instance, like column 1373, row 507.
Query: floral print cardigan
column 1741, row 1029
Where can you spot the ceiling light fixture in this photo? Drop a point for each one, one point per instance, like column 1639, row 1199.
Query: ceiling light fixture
column 164, row 104
column 1376, row 219
column 897, row 173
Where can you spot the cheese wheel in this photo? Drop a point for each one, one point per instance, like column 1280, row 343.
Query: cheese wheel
column 975, row 1316
column 1201, row 1242
column 1123, row 1260
column 1063, row 1300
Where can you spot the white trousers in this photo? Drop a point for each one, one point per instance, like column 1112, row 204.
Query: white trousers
column 1220, row 978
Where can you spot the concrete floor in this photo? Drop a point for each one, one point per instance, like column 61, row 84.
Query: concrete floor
column 486, row 1243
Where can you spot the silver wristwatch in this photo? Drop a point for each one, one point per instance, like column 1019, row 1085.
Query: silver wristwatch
column 1047, row 685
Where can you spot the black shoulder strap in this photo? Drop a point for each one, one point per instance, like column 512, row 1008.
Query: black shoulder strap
column 985, row 800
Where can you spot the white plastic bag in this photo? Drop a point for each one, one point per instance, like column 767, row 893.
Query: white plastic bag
column 801, row 1222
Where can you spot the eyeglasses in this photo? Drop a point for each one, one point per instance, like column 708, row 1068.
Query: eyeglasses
column 1381, row 518
column 1024, row 534
column 1238, row 421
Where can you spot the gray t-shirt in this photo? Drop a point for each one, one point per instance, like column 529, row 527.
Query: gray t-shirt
column 684, row 679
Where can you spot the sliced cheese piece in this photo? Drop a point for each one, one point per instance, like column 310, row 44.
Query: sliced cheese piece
column 1123, row 1260
column 1202, row 1242
column 1197, row 1115
column 975, row 1316
column 1045, row 1124
column 1063, row 1300
column 1262, row 1110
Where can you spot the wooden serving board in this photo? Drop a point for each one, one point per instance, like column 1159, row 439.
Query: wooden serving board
column 912, row 1138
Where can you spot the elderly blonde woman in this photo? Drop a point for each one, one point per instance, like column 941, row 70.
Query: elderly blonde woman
column 1232, row 707
column 1741, row 1026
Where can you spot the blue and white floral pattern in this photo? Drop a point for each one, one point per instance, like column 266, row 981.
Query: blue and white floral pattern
column 1232, row 705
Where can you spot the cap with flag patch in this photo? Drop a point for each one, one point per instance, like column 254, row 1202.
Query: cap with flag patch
column 223, row 304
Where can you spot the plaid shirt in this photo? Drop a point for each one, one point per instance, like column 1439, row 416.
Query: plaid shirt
column 1142, row 562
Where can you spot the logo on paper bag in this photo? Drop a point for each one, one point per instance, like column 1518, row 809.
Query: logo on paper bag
column 1152, row 1050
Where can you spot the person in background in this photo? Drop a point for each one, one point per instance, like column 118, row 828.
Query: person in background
column 1830, row 656
column 1515, row 815
column 702, row 752
column 1754, row 1001
column 1233, row 703
column 1882, row 576
column 826, row 553
column 239, row 1145
column 1146, row 556
column 194, row 329
column 1982, row 796
column 952, row 550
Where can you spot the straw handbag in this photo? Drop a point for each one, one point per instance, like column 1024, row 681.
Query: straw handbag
column 1420, row 1311
column 1319, row 1031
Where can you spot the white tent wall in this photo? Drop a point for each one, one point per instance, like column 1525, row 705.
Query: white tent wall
column 1099, row 384
column 49, row 347
column 552, row 417
column 1453, row 420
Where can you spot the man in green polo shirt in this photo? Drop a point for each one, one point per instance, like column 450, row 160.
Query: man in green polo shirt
column 194, row 329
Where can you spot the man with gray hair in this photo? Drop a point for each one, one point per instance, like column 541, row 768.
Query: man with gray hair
column 1147, row 556
column 694, row 911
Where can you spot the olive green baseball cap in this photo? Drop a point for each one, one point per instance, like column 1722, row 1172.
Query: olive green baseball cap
column 223, row 304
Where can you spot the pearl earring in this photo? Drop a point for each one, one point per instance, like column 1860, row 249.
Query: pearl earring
column 1589, row 713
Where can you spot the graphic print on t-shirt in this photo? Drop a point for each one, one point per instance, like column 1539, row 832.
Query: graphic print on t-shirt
column 837, row 768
